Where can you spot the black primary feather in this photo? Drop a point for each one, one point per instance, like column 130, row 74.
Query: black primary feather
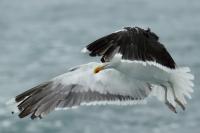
column 133, row 43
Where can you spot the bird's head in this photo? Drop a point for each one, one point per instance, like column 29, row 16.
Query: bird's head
column 109, row 65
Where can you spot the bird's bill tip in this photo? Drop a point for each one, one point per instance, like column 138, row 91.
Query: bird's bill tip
column 98, row 69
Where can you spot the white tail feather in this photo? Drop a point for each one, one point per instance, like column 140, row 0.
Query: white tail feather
column 181, row 80
column 182, row 83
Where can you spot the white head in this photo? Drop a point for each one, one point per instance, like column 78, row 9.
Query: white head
column 114, row 63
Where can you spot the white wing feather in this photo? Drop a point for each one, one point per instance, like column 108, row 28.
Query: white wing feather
column 127, row 83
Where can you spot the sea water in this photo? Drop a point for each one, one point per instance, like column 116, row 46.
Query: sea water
column 40, row 39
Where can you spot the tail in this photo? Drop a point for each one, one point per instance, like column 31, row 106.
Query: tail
column 182, row 81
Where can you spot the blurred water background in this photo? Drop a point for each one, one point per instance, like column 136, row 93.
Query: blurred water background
column 40, row 39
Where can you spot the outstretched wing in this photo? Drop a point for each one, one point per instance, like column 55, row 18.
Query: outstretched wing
column 81, row 87
column 134, row 44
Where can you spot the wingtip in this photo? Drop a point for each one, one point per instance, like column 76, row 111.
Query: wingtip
column 85, row 50
column 12, row 106
column 11, row 101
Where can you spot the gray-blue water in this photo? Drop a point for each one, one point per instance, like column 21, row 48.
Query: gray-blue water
column 40, row 39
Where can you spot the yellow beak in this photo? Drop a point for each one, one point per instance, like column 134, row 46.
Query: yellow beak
column 98, row 69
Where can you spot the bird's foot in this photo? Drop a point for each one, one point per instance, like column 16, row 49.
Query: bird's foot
column 171, row 107
column 179, row 103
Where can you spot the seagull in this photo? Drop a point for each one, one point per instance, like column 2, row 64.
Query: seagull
column 134, row 66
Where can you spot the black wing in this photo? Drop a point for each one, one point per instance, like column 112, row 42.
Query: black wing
column 134, row 44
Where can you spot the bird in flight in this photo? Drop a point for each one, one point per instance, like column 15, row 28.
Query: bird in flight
column 134, row 66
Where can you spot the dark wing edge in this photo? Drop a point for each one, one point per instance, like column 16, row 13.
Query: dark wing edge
column 134, row 44
column 44, row 98
column 105, row 47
